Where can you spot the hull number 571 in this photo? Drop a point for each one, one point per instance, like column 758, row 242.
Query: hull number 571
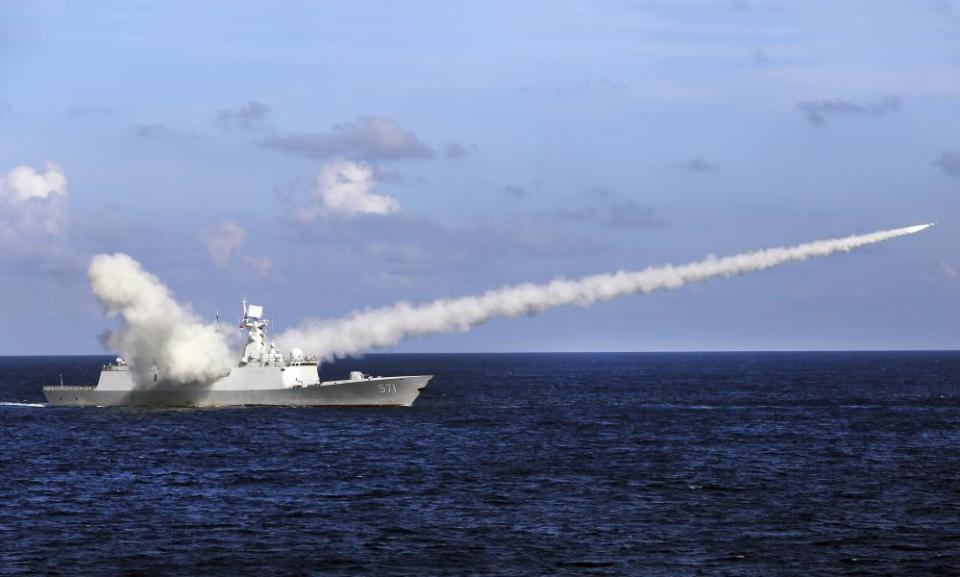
column 388, row 387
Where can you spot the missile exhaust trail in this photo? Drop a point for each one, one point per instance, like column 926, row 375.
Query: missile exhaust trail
column 386, row 326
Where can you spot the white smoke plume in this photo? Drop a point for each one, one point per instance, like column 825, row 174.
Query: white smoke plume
column 156, row 331
column 384, row 327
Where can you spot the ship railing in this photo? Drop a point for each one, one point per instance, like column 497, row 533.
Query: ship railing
column 67, row 388
column 303, row 360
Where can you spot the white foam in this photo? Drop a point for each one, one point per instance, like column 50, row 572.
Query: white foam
column 9, row 404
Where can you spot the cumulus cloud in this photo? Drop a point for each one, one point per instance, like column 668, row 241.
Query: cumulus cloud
column 224, row 241
column 370, row 138
column 346, row 188
column 817, row 111
column 949, row 162
column 33, row 211
column 23, row 183
column 252, row 115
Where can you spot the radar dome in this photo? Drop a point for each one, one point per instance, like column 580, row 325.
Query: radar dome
column 296, row 354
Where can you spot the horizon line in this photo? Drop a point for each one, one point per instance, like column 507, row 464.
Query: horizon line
column 704, row 351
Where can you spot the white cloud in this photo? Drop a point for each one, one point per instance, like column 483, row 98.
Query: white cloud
column 224, row 241
column 368, row 137
column 23, row 183
column 346, row 187
column 251, row 116
column 32, row 205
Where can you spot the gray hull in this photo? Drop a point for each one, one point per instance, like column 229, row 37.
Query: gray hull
column 374, row 392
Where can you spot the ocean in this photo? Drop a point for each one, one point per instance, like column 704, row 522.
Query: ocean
column 674, row 464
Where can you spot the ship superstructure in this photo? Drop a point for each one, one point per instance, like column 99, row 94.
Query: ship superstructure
column 263, row 376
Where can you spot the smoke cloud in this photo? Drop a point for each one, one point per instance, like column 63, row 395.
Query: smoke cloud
column 156, row 331
column 384, row 327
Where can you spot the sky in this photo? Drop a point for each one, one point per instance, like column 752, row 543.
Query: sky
column 325, row 157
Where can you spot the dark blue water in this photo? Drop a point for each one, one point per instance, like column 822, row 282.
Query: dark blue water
column 592, row 464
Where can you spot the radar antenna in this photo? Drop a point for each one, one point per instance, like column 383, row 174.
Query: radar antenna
column 257, row 350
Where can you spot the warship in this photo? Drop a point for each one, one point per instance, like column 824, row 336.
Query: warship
column 263, row 376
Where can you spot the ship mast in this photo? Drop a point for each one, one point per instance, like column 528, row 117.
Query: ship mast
column 257, row 351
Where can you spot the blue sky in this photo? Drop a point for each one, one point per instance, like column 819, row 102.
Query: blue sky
column 472, row 145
